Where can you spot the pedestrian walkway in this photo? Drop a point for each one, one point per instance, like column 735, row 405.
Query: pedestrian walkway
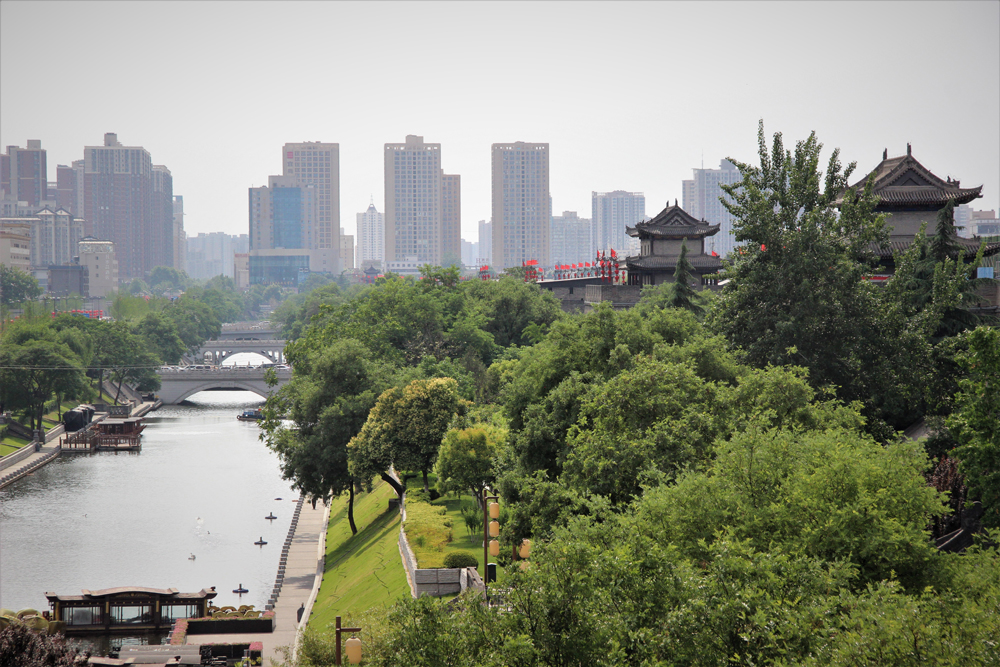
column 303, row 573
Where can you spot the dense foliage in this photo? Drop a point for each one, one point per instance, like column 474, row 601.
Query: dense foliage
column 726, row 491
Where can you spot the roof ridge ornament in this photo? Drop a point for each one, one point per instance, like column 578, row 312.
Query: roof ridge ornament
column 885, row 154
column 909, row 150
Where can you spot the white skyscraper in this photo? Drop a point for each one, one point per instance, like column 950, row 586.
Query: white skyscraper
column 371, row 237
column 702, row 200
column 485, row 242
column 611, row 213
column 521, row 204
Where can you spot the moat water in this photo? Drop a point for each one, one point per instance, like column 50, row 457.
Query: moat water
column 201, row 486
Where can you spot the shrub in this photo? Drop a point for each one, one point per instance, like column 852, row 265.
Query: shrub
column 459, row 559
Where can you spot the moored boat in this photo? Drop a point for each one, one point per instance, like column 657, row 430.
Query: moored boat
column 251, row 415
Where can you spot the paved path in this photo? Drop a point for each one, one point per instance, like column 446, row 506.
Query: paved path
column 303, row 574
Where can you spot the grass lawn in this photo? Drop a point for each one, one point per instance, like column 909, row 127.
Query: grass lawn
column 428, row 533
column 363, row 570
column 11, row 444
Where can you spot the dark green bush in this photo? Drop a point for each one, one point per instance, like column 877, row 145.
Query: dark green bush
column 459, row 559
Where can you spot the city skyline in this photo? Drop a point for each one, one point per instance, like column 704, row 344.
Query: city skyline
column 651, row 145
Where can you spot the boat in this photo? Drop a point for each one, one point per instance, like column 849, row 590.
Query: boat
column 251, row 415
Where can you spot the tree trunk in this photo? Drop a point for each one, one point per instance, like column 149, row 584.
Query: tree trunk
column 396, row 486
column 119, row 392
column 426, row 489
column 350, row 509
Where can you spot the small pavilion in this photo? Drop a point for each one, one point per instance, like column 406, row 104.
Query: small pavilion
column 660, row 242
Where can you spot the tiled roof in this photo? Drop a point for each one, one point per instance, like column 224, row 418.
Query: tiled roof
column 673, row 222
column 898, row 246
column 902, row 181
column 704, row 263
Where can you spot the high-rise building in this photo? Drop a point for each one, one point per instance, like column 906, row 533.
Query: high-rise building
column 210, row 255
column 611, row 213
column 317, row 164
column 54, row 235
column 521, row 204
column 161, row 247
column 371, row 238
column 422, row 205
column 179, row 237
column 570, row 239
column 23, row 173
column 100, row 266
column 702, row 199
column 451, row 219
column 120, row 204
column 470, row 254
column 15, row 243
column 485, row 242
column 346, row 251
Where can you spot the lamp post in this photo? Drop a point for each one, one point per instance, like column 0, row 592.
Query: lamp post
column 491, row 510
column 353, row 646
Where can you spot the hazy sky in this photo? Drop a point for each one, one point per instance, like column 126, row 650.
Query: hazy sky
column 628, row 95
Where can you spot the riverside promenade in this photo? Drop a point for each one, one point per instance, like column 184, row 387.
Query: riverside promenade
column 303, row 575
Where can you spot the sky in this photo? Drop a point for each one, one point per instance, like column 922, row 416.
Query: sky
column 629, row 96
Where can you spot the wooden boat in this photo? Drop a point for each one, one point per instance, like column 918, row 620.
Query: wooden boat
column 251, row 415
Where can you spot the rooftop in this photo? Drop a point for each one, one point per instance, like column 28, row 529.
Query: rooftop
column 673, row 222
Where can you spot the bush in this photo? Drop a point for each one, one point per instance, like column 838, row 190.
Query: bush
column 459, row 559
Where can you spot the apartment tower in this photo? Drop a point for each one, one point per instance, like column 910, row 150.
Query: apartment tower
column 521, row 204
column 422, row 222
column 371, row 238
column 611, row 213
column 702, row 200
column 23, row 173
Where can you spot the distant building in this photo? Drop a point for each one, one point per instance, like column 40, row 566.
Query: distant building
column 451, row 219
column 179, row 237
column 407, row 266
column 69, row 188
column 124, row 202
column 570, row 239
column 985, row 223
column 611, row 213
column 54, row 235
column 317, row 164
column 23, row 173
column 485, row 242
column 213, row 254
column 702, row 200
column 15, row 244
column 100, row 266
column 422, row 205
column 288, row 267
column 67, row 280
column 470, row 254
column 241, row 270
column 370, row 237
column 346, row 251
column 521, row 204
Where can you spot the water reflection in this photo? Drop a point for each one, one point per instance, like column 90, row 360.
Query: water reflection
column 201, row 486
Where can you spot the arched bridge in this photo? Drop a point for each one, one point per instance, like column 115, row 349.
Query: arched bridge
column 249, row 331
column 273, row 349
column 176, row 386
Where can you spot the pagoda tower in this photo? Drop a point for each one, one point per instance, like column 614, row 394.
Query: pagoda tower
column 660, row 242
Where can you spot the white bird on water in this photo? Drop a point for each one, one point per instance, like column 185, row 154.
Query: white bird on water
column 191, row 557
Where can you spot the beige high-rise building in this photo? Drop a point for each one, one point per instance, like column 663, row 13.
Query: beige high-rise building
column 346, row 251
column 54, row 235
column 521, row 204
column 417, row 194
column 317, row 164
column 100, row 266
column 451, row 219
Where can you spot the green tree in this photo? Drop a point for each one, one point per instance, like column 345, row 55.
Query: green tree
column 195, row 320
column 160, row 334
column 682, row 294
column 32, row 372
column 465, row 460
column 975, row 423
column 796, row 293
column 404, row 429
column 16, row 285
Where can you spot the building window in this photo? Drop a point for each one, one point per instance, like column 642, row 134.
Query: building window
column 82, row 615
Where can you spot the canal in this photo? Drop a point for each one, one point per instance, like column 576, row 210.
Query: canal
column 183, row 513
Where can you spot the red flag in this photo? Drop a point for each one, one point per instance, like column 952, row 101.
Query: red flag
column 715, row 254
column 532, row 262
column 763, row 248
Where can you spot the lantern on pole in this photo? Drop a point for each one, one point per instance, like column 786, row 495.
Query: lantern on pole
column 525, row 549
column 494, row 548
column 353, row 645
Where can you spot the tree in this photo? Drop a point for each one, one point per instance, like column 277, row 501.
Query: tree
column 167, row 277
column 16, row 285
column 975, row 423
column 404, row 429
column 195, row 321
column 22, row 647
column 124, row 356
column 683, row 295
column 32, row 372
column 328, row 399
column 160, row 334
column 465, row 460
column 796, row 293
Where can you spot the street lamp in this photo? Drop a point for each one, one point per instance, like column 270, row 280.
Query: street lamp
column 353, row 646
column 491, row 512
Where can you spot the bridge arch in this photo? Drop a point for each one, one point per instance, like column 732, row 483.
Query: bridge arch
column 258, row 388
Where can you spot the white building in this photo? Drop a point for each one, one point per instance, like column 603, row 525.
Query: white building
column 570, row 239
column 702, row 200
column 100, row 266
column 370, row 237
column 521, row 204
column 611, row 213
column 485, row 242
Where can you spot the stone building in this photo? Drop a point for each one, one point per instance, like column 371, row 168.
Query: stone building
column 660, row 241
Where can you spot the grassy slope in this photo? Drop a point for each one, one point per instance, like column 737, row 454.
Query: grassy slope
column 435, row 547
column 363, row 570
